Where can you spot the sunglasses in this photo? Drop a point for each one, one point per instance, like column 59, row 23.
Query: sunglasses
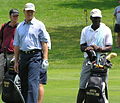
column 15, row 15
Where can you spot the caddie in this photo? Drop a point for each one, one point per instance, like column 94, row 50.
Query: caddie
column 97, row 37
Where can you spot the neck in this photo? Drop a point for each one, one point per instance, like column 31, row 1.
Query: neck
column 28, row 20
column 13, row 23
column 94, row 27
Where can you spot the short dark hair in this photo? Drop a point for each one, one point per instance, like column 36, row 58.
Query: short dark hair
column 13, row 11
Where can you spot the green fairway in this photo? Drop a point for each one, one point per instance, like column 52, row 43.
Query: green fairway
column 64, row 20
column 63, row 86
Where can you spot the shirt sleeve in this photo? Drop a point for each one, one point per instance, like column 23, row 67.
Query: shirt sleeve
column 82, row 38
column 16, row 41
column 49, row 42
column 44, row 35
column 109, row 40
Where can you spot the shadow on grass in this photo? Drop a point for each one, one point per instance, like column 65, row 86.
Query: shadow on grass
column 65, row 42
column 87, row 4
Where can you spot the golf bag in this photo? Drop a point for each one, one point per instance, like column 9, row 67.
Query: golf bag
column 96, row 87
column 11, row 87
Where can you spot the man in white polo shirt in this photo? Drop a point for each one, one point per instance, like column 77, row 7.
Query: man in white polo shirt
column 95, row 37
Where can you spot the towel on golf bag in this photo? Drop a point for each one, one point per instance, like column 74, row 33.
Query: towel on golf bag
column 11, row 88
column 95, row 91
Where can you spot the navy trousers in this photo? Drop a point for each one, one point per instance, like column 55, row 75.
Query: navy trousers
column 29, row 72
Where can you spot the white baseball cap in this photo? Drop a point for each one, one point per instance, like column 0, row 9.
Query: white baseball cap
column 29, row 6
column 96, row 13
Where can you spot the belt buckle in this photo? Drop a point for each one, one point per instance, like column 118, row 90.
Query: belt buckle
column 33, row 51
column 25, row 52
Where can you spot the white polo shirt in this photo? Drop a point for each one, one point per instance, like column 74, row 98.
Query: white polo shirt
column 100, row 37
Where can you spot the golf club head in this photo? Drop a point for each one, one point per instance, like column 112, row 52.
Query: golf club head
column 111, row 55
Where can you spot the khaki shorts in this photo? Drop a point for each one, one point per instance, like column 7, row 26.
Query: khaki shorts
column 85, row 74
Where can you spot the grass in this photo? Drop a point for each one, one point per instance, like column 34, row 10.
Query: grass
column 63, row 85
column 64, row 20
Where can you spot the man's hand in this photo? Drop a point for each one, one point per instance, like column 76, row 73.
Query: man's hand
column 45, row 64
column 89, row 48
column 97, row 48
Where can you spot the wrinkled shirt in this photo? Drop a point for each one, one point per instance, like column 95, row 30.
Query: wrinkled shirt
column 28, row 36
column 100, row 37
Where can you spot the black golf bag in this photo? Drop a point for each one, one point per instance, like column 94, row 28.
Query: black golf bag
column 96, row 87
column 11, row 87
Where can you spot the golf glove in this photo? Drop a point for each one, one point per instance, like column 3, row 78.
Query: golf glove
column 45, row 64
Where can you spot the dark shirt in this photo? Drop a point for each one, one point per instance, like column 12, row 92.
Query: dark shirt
column 7, row 36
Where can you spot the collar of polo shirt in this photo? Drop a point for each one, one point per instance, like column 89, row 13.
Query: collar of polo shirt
column 30, row 22
column 96, row 29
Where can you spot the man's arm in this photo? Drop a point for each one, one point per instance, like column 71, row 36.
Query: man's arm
column 0, row 39
column 84, row 48
column 45, row 63
column 1, row 34
column 45, row 50
column 16, row 53
column 107, row 48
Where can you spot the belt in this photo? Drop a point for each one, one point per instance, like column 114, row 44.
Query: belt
column 31, row 51
column 10, row 52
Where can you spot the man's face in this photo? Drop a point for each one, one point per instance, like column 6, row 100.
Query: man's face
column 95, row 20
column 14, row 18
column 29, row 14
